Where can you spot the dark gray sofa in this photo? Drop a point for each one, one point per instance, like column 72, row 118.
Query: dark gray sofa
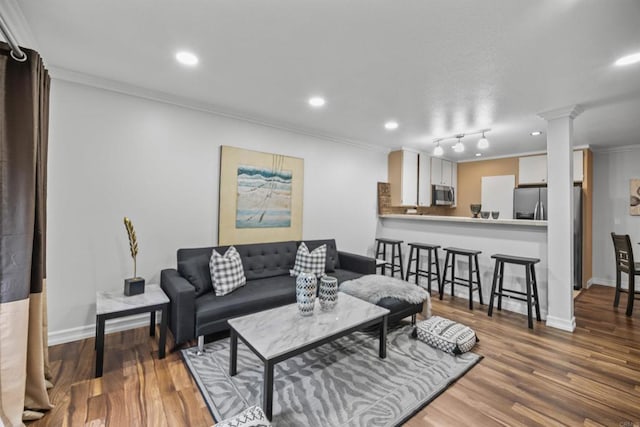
column 196, row 311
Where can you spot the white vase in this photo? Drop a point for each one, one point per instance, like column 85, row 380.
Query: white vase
column 306, row 286
column 328, row 294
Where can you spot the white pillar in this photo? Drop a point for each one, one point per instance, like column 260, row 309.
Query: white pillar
column 560, row 216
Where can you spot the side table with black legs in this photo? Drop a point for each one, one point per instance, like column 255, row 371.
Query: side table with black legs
column 115, row 304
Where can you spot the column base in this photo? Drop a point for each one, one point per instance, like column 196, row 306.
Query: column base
column 568, row 325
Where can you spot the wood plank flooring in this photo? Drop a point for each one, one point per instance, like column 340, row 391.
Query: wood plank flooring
column 528, row 377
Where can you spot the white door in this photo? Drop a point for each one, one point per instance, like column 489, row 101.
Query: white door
column 409, row 178
column 424, row 180
column 497, row 194
column 532, row 170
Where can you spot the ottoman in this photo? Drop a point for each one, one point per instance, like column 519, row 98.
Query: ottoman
column 402, row 299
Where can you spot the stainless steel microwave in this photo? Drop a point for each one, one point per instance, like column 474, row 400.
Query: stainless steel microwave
column 442, row 195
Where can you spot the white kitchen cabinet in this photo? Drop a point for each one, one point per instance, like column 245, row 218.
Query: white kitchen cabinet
column 446, row 173
column 578, row 166
column 424, row 180
column 436, row 171
column 441, row 172
column 403, row 177
column 532, row 170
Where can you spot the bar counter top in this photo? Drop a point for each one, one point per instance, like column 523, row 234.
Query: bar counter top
column 489, row 221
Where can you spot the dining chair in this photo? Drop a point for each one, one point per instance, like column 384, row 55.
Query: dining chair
column 625, row 264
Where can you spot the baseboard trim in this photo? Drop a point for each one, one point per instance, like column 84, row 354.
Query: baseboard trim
column 568, row 325
column 89, row 331
column 601, row 281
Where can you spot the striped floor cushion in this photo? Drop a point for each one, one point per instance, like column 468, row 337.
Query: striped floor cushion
column 250, row 417
column 446, row 335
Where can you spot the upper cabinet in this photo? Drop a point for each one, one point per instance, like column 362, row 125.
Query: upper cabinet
column 441, row 172
column 403, row 177
column 578, row 166
column 533, row 169
column 424, row 180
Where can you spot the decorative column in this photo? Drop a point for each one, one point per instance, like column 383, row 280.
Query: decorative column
column 560, row 216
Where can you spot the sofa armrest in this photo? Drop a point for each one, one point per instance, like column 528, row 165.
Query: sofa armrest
column 357, row 263
column 182, row 306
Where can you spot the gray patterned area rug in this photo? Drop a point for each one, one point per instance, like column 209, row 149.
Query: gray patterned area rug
column 343, row 383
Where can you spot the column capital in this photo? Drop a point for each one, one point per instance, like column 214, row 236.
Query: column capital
column 570, row 111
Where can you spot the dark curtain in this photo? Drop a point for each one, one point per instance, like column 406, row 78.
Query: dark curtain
column 24, row 124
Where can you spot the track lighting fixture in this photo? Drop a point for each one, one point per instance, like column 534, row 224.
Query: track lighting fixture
column 483, row 142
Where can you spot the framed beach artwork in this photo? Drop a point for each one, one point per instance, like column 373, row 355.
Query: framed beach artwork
column 634, row 197
column 260, row 197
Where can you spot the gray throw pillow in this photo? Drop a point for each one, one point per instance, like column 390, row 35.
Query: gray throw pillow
column 196, row 271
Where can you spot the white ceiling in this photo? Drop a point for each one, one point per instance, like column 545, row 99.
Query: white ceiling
column 437, row 67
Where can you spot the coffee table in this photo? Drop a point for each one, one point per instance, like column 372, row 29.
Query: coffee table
column 280, row 333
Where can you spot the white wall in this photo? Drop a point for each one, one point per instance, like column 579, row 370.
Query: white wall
column 112, row 155
column 612, row 171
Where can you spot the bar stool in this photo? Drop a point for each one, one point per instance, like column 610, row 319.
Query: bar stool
column 532, row 284
column 381, row 249
column 432, row 259
column 474, row 267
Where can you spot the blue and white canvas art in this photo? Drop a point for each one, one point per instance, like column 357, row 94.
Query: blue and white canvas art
column 264, row 196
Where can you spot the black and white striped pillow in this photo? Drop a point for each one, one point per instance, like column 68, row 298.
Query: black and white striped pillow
column 310, row 262
column 227, row 273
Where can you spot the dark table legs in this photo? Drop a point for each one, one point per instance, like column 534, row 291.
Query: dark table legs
column 233, row 352
column 102, row 318
column 383, row 338
column 267, row 391
column 152, row 325
column 99, row 344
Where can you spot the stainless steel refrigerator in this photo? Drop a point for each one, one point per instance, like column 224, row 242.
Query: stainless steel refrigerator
column 531, row 203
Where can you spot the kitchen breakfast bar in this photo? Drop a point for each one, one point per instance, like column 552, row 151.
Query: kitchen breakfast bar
column 525, row 238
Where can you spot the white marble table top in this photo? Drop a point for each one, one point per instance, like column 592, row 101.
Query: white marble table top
column 281, row 330
column 115, row 301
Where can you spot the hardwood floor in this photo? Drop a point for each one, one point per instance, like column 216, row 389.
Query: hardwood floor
column 527, row 377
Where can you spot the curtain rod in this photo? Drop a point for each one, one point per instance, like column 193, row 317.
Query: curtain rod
column 16, row 52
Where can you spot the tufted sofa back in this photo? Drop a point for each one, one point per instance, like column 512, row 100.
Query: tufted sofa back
column 259, row 260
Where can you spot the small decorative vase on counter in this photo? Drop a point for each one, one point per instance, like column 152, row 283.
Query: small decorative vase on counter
column 306, row 285
column 328, row 294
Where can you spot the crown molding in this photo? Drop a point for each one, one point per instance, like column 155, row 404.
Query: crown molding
column 570, row 111
column 618, row 149
column 520, row 154
column 63, row 74
column 11, row 12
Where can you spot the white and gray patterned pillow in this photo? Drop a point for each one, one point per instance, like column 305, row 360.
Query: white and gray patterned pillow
column 250, row 417
column 446, row 335
column 310, row 262
column 227, row 273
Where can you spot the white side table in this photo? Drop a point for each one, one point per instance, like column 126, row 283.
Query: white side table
column 114, row 304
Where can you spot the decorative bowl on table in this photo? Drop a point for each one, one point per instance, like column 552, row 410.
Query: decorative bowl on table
column 475, row 209
column 485, row 214
column 495, row 214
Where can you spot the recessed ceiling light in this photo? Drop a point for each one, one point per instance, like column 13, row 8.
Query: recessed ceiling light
column 316, row 101
column 187, row 58
column 391, row 125
column 478, row 154
column 629, row 59
column 536, row 133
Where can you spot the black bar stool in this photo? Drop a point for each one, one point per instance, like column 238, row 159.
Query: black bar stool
column 532, row 284
column 396, row 256
column 474, row 267
column 432, row 259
